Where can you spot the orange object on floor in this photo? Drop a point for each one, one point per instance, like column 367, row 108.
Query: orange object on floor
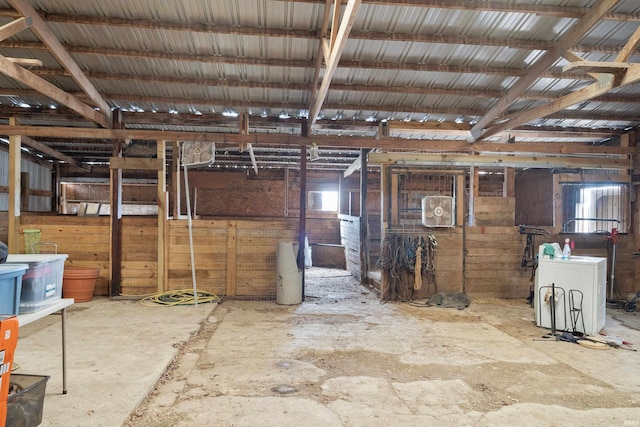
column 8, row 342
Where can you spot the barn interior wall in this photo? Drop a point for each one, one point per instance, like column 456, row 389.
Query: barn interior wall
column 483, row 260
column 534, row 197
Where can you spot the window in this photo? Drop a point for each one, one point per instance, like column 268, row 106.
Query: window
column 595, row 208
column 326, row 201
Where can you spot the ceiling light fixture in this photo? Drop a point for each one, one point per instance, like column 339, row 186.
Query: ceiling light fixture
column 228, row 112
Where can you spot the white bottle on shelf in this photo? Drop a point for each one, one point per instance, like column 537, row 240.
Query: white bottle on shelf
column 566, row 251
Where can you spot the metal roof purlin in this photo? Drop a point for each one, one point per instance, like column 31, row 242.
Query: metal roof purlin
column 592, row 17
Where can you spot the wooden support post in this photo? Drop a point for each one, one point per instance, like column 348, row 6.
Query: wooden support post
column 384, row 220
column 24, row 191
column 15, row 156
column 302, row 229
column 384, row 200
column 340, row 193
column 474, row 189
column 395, row 208
column 557, row 204
column 625, row 141
column 162, row 214
column 509, row 183
column 364, row 235
column 232, row 240
column 115, row 223
column 460, row 192
column 286, row 192
column 55, row 188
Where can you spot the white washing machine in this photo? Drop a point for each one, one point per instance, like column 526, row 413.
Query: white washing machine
column 586, row 277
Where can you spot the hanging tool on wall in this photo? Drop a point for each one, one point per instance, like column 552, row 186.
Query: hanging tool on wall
column 613, row 236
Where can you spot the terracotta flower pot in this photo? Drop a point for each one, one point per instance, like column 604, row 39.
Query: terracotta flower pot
column 79, row 283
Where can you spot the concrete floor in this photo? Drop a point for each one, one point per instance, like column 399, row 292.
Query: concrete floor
column 341, row 358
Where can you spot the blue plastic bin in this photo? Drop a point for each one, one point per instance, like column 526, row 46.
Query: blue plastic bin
column 11, row 287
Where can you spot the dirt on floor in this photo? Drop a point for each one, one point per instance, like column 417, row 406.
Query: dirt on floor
column 344, row 358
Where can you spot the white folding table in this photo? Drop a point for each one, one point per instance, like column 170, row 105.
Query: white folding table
column 59, row 307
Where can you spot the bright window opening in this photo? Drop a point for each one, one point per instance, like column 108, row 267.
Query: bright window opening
column 595, row 208
column 325, row 201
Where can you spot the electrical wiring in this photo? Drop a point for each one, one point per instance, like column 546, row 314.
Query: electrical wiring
column 179, row 297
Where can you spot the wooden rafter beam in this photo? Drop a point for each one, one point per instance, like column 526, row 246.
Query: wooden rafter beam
column 323, row 49
column 64, row 58
column 626, row 74
column 429, row 128
column 605, row 84
column 598, row 67
column 14, row 27
column 353, row 167
column 576, row 32
column 16, row 72
column 44, row 148
column 338, row 45
column 630, row 47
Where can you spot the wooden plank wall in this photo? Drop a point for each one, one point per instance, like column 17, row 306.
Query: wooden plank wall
column 498, row 211
column 84, row 239
column 210, row 238
column 492, row 264
column 235, row 258
column 323, row 230
column 449, row 259
column 350, row 239
column 139, row 255
column 255, row 258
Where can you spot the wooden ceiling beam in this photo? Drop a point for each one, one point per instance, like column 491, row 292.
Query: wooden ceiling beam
column 323, row 49
column 217, row 119
column 597, row 67
column 14, row 27
column 498, row 161
column 338, row 44
column 574, row 34
column 325, row 141
column 489, row 6
column 45, row 149
column 40, row 28
column 555, row 73
column 605, row 84
column 476, row 93
column 313, row 34
column 16, row 72
column 567, row 114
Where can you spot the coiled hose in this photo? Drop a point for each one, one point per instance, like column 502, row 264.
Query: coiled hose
column 179, row 297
